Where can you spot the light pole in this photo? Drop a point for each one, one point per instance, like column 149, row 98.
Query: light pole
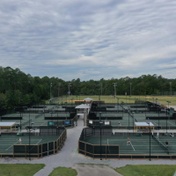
column 168, row 102
column 149, row 141
column 50, row 91
column 29, row 136
column 168, row 115
column 29, row 127
column 69, row 91
column 133, row 120
column 145, row 106
column 117, row 104
column 170, row 83
column 156, row 104
column 100, row 123
column 59, row 84
column 115, row 85
column 100, row 91
column 130, row 88
column 126, row 96
column 128, row 110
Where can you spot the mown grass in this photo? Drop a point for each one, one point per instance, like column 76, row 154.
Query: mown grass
column 147, row 170
column 19, row 169
column 129, row 170
column 120, row 99
column 63, row 171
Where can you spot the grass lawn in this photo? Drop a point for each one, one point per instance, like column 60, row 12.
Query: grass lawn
column 63, row 171
column 19, row 169
column 147, row 170
column 125, row 99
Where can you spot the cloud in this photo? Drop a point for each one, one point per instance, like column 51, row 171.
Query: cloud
column 91, row 39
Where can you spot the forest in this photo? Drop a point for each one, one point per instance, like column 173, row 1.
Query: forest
column 20, row 89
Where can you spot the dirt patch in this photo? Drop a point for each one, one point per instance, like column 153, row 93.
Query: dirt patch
column 93, row 169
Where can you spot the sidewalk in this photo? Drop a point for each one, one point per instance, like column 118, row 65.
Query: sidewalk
column 98, row 170
column 69, row 157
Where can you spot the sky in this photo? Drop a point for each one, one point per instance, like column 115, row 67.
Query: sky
column 89, row 39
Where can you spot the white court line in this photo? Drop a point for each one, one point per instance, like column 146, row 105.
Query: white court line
column 132, row 146
column 42, row 123
column 171, row 124
column 11, row 146
column 39, row 141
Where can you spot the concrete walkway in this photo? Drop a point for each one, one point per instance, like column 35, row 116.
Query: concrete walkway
column 69, row 157
column 97, row 170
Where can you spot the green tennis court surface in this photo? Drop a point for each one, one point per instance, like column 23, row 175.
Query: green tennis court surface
column 7, row 141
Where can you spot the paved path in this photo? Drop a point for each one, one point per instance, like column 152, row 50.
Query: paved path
column 69, row 156
column 97, row 170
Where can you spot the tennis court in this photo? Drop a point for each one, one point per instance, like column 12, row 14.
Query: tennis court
column 96, row 142
column 126, row 139
column 123, row 116
column 8, row 141
column 120, row 118
column 47, row 133
column 39, row 119
column 44, row 141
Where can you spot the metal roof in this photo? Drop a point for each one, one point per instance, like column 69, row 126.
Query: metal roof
column 7, row 124
column 88, row 99
column 83, row 106
column 144, row 124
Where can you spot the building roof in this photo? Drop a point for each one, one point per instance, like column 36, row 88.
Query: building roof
column 144, row 124
column 83, row 106
column 88, row 99
column 7, row 124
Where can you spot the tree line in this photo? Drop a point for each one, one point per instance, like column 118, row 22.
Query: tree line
column 20, row 89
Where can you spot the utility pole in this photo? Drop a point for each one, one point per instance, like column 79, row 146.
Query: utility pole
column 115, row 85
column 130, row 88
column 100, row 94
column 59, row 84
column 69, row 91
column 170, row 83
column 149, row 140
column 50, row 90
column 100, row 123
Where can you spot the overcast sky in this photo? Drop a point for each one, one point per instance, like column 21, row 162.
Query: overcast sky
column 89, row 39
